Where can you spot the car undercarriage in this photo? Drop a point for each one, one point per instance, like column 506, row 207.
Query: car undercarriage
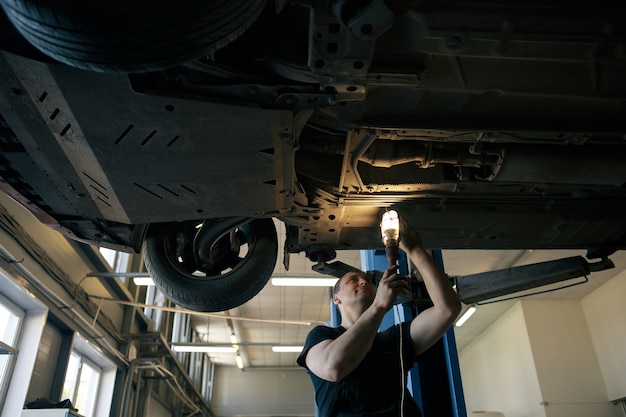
column 490, row 125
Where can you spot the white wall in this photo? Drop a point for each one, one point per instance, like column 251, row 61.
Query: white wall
column 604, row 312
column 551, row 358
column 262, row 393
column 497, row 369
column 567, row 367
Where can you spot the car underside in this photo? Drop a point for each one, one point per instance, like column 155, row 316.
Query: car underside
column 489, row 125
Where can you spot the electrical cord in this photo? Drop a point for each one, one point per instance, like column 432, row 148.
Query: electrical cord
column 402, row 374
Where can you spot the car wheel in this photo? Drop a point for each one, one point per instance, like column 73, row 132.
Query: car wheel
column 213, row 265
column 121, row 36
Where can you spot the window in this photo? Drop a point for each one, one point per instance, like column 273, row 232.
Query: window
column 82, row 381
column 181, row 330
column 208, row 370
column 10, row 321
column 116, row 259
column 156, row 298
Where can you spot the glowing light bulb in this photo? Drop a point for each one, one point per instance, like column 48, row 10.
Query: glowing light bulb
column 390, row 227
column 390, row 230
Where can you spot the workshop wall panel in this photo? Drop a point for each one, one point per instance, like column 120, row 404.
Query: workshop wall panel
column 498, row 369
column 604, row 312
column 567, row 366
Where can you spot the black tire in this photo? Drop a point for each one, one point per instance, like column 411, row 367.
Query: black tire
column 122, row 36
column 177, row 257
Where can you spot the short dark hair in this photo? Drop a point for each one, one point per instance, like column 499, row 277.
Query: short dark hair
column 337, row 285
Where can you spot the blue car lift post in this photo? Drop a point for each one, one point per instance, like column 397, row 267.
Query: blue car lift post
column 435, row 380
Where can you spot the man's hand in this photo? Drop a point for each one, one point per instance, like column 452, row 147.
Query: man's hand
column 432, row 323
column 409, row 237
column 391, row 284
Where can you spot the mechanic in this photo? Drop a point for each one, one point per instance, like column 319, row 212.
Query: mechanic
column 357, row 370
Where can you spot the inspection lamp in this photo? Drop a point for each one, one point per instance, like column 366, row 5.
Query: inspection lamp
column 390, row 230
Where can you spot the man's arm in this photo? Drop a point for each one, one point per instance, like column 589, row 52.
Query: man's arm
column 332, row 360
column 433, row 322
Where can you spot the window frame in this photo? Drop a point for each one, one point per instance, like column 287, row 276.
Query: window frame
column 107, row 376
column 83, row 360
column 11, row 351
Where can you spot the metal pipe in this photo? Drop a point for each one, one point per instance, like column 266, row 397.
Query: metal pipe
column 487, row 285
column 118, row 274
column 127, row 386
column 206, row 314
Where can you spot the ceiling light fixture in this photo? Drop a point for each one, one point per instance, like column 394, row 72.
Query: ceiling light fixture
column 282, row 349
column 203, row 348
column 465, row 316
column 143, row 281
column 239, row 361
column 304, row 282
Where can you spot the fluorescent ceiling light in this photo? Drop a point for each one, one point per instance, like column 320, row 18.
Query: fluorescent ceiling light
column 287, row 349
column 304, row 282
column 468, row 313
column 239, row 361
column 204, row 348
column 143, row 281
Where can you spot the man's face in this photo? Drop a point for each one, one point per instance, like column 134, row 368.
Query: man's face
column 355, row 287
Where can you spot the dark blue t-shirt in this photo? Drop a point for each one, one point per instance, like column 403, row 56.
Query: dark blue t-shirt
column 374, row 388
